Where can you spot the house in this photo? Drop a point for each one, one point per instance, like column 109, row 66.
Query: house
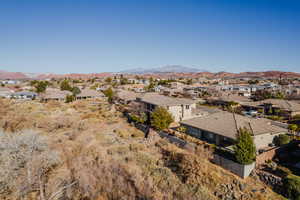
column 133, row 87
column 160, row 88
column 5, row 92
column 292, row 90
column 180, row 108
column 243, row 89
column 11, row 82
column 172, row 92
column 221, row 128
column 244, row 94
column 138, row 81
column 191, row 92
column 225, row 98
column 125, row 96
column 103, row 87
column 286, row 108
column 176, row 85
column 54, row 94
column 24, row 95
column 89, row 94
column 132, row 81
column 271, row 85
column 237, row 88
column 145, row 81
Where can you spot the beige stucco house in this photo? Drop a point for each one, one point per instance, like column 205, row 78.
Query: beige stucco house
column 89, row 94
column 221, row 128
column 180, row 108
column 287, row 108
column 54, row 94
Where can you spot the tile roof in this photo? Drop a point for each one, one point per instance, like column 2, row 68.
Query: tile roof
column 224, row 96
column 226, row 124
column 53, row 93
column 280, row 103
column 89, row 93
column 3, row 89
column 24, row 93
column 126, row 95
column 161, row 100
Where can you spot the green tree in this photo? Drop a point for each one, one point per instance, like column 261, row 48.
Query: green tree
column 291, row 185
column 293, row 127
column 276, row 111
column 41, row 86
column 189, row 82
column 260, row 110
column 123, row 81
column 151, row 80
column 252, row 82
column 281, row 139
column 70, row 98
column 150, row 87
column 109, row 93
column 108, row 80
column 139, row 118
column 245, row 150
column 161, row 118
column 76, row 81
column 76, row 91
column 296, row 117
column 279, row 95
column 163, row 83
column 33, row 82
column 181, row 129
column 64, row 85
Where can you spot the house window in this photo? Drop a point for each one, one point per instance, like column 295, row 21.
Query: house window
column 148, row 106
column 187, row 107
column 152, row 107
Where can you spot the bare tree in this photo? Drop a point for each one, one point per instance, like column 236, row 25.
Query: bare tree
column 25, row 160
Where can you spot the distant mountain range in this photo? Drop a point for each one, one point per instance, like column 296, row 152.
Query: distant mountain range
column 159, row 72
column 164, row 69
column 12, row 75
column 41, row 76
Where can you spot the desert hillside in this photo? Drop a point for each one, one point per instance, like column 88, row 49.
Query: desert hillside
column 87, row 150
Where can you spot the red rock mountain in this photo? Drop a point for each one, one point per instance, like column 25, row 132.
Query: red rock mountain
column 12, row 75
column 266, row 74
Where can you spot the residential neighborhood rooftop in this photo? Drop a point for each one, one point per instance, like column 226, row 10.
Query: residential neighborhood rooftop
column 161, row 100
column 227, row 124
column 127, row 95
column 89, row 93
column 53, row 93
column 280, row 103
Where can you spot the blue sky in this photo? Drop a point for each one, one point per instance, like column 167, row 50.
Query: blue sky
column 64, row 36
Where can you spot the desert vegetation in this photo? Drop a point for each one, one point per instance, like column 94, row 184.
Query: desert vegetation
column 161, row 118
column 245, row 150
column 87, row 150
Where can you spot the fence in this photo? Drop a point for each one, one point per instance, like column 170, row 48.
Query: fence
column 242, row 171
column 265, row 156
